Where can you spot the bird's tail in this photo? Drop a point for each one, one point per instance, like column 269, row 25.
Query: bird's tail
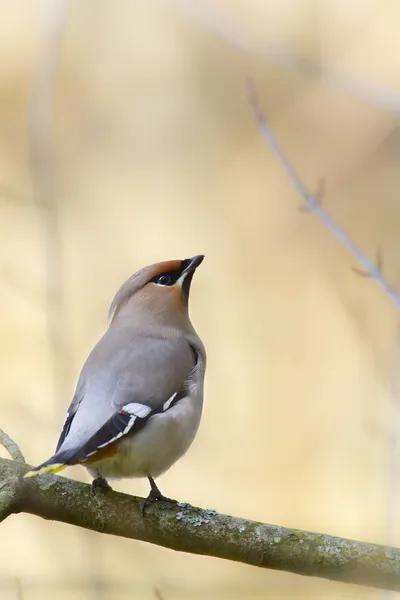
column 56, row 463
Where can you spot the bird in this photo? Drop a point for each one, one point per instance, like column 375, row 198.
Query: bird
column 139, row 398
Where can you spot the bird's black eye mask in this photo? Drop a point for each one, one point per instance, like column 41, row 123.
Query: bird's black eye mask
column 169, row 278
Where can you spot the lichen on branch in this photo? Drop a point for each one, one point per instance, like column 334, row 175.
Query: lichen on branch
column 185, row 528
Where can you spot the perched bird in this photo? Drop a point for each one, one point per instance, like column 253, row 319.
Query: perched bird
column 139, row 398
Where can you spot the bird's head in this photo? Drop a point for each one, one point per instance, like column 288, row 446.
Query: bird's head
column 159, row 291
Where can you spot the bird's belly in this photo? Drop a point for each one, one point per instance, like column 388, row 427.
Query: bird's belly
column 155, row 448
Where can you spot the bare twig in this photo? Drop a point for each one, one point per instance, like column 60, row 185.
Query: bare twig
column 318, row 196
column 378, row 264
column 206, row 13
column 312, row 202
column 12, row 447
column 158, row 594
column 18, row 588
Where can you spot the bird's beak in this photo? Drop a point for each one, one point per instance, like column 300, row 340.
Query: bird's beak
column 192, row 266
column 185, row 279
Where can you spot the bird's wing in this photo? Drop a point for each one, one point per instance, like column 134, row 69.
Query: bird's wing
column 69, row 417
column 128, row 420
column 143, row 379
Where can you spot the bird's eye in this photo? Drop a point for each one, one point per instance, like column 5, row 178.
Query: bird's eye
column 163, row 280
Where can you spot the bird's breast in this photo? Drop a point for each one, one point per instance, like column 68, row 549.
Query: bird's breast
column 152, row 450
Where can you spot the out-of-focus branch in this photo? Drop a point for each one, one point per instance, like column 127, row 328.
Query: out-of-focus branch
column 12, row 447
column 41, row 137
column 157, row 594
column 223, row 26
column 312, row 201
column 54, row 16
column 198, row 531
column 371, row 269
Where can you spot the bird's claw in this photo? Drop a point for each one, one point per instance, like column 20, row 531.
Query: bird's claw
column 100, row 483
column 156, row 496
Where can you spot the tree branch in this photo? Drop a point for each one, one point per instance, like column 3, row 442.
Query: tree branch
column 225, row 27
column 198, row 531
column 312, row 201
column 12, row 447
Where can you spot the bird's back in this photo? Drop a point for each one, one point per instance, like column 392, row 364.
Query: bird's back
column 127, row 366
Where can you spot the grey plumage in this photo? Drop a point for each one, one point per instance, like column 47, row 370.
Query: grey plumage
column 139, row 398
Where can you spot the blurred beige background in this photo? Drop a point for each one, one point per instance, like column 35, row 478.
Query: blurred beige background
column 155, row 154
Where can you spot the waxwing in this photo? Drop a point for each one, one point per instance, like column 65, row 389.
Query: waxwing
column 139, row 398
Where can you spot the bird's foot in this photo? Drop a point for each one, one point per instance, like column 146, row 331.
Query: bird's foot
column 155, row 496
column 100, row 483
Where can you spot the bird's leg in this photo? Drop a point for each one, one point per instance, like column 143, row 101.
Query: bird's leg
column 155, row 495
column 100, row 482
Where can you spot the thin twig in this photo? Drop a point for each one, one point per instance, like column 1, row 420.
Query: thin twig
column 12, row 447
column 18, row 587
column 378, row 263
column 219, row 23
column 312, row 201
column 318, row 195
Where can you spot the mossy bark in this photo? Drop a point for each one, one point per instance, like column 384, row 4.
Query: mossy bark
column 198, row 531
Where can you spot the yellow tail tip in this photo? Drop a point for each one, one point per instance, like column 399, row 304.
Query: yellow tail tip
column 54, row 468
